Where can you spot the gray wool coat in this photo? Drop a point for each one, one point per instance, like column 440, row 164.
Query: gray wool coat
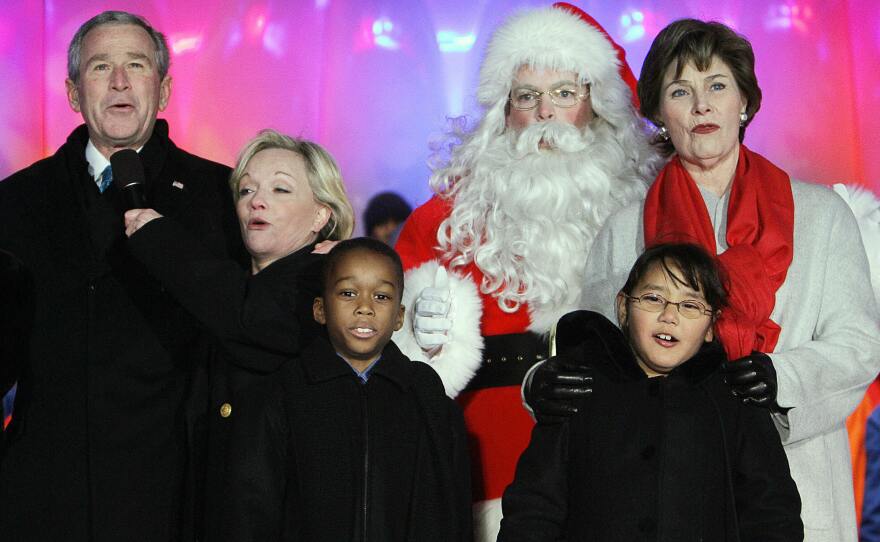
column 828, row 351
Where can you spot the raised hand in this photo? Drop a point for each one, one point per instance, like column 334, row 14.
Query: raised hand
column 432, row 322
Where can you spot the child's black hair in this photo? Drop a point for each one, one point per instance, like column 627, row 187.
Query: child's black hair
column 362, row 243
column 697, row 269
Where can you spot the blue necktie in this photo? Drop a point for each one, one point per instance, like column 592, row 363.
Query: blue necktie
column 106, row 179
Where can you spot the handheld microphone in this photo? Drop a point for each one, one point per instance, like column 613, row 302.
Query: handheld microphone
column 128, row 177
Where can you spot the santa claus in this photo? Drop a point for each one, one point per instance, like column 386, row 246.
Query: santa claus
column 497, row 255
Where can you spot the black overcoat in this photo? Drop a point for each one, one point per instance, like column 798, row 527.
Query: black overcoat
column 673, row 458
column 254, row 324
column 96, row 447
column 317, row 455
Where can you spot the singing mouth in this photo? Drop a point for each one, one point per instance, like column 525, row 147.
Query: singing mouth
column 363, row 332
column 665, row 339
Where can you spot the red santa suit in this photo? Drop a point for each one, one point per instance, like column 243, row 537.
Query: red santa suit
column 498, row 424
column 489, row 349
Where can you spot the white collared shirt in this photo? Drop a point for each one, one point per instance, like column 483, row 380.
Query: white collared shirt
column 97, row 161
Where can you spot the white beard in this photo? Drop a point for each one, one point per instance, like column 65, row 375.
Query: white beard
column 527, row 216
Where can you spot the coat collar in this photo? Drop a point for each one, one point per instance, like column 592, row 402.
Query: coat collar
column 321, row 363
column 58, row 201
column 153, row 154
column 167, row 189
column 282, row 268
column 704, row 364
column 591, row 337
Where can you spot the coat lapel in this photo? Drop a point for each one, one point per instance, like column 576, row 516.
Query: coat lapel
column 169, row 191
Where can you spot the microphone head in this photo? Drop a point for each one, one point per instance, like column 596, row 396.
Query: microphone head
column 127, row 168
column 128, row 177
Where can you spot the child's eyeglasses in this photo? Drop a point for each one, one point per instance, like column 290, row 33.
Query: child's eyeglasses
column 688, row 308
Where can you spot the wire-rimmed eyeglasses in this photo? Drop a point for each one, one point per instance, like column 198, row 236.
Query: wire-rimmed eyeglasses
column 525, row 99
column 689, row 308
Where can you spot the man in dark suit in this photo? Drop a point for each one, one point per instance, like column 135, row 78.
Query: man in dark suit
column 96, row 448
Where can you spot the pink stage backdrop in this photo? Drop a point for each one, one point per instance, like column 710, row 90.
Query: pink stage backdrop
column 373, row 80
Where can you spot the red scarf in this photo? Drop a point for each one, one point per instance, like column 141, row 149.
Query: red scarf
column 760, row 234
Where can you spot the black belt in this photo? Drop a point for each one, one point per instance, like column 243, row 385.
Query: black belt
column 507, row 359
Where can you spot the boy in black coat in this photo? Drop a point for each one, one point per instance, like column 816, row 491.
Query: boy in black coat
column 661, row 450
column 352, row 441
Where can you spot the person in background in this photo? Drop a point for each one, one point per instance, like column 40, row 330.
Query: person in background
column 95, row 450
column 384, row 217
column 496, row 256
column 803, row 330
column 661, row 449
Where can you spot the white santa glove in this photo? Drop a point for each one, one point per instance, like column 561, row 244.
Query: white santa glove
column 431, row 323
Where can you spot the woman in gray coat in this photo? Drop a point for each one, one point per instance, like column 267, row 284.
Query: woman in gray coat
column 803, row 333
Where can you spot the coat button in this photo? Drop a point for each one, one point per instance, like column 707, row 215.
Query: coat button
column 225, row 410
column 648, row 452
column 647, row 525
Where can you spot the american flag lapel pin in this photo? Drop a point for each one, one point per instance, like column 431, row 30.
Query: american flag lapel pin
column 178, row 185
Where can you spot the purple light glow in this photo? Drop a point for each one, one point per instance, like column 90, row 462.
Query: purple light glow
column 450, row 41
column 182, row 44
column 374, row 80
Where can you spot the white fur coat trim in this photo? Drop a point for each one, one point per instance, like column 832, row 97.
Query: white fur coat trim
column 460, row 358
column 866, row 206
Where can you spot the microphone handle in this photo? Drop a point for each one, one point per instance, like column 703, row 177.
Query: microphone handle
column 134, row 196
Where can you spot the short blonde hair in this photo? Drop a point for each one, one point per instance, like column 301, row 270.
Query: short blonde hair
column 323, row 174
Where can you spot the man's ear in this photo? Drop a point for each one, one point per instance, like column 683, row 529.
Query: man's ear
column 318, row 311
column 621, row 310
column 164, row 92
column 401, row 314
column 72, row 95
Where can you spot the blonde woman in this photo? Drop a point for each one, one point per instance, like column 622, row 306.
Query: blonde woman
column 289, row 198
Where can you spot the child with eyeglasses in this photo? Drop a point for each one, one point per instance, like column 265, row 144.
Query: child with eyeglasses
column 661, row 450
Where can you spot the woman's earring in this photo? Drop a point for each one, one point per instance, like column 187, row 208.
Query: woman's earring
column 664, row 133
column 743, row 117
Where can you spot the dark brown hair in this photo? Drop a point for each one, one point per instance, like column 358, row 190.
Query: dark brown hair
column 697, row 269
column 358, row 244
column 692, row 41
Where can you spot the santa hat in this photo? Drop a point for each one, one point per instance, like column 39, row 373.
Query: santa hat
column 562, row 38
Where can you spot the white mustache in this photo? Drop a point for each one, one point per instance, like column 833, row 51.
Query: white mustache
column 557, row 135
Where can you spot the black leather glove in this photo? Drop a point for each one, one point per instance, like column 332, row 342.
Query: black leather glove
column 555, row 388
column 752, row 379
